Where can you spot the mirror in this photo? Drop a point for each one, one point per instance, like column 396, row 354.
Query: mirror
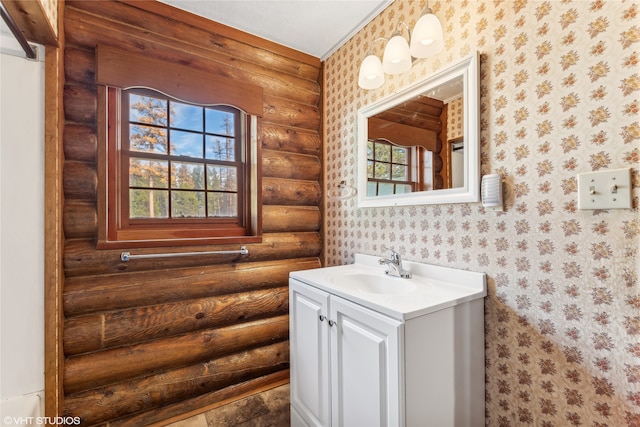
column 422, row 145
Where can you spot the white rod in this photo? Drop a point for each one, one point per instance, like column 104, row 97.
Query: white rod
column 126, row 256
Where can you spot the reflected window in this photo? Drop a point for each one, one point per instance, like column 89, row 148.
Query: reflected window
column 389, row 169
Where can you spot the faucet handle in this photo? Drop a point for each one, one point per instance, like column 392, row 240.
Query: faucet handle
column 394, row 254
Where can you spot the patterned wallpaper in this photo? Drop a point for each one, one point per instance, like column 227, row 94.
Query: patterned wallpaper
column 560, row 83
column 455, row 111
column 50, row 8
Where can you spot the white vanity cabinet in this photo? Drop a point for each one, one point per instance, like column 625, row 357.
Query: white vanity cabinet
column 345, row 362
column 360, row 359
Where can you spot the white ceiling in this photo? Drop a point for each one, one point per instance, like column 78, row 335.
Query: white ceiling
column 315, row 27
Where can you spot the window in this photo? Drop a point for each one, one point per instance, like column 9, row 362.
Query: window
column 181, row 161
column 178, row 170
column 388, row 168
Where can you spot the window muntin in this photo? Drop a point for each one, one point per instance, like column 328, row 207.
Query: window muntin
column 184, row 161
column 388, row 168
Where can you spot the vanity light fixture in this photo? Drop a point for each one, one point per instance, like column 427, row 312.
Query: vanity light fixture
column 426, row 40
column 371, row 75
column 397, row 58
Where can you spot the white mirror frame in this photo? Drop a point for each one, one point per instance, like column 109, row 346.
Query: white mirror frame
column 469, row 69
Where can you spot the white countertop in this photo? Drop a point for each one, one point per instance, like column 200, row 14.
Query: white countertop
column 432, row 288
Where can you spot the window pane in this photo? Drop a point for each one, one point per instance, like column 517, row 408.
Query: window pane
column 148, row 203
column 400, row 173
column 185, row 116
column 187, row 204
column 220, row 122
column 383, row 171
column 370, row 150
column 372, row 189
column 383, row 152
column 148, row 173
column 385, row 189
column 222, row 178
column 218, row 148
column 370, row 169
column 146, row 109
column 223, row 205
column 147, row 139
column 187, row 176
column 186, row 144
column 399, row 155
column 403, row 188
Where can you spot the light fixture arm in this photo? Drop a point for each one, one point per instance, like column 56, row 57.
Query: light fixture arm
column 398, row 32
column 370, row 51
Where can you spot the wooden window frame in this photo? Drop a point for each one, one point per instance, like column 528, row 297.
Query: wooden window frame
column 395, row 182
column 115, row 229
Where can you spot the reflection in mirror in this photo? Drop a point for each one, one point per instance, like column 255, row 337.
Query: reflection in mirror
column 421, row 144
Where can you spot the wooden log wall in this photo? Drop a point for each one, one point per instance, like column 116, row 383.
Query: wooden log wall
column 151, row 339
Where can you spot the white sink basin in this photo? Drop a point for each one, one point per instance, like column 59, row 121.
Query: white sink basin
column 375, row 283
column 430, row 289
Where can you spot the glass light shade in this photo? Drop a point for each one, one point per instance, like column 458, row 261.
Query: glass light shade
column 371, row 75
column 396, row 58
column 427, row 38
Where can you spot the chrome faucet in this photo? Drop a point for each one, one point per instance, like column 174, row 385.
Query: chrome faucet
column 394, row 265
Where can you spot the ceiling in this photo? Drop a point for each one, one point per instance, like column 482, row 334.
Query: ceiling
column 315, row 27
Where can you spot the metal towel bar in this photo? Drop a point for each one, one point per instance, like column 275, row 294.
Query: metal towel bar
column 126, row 256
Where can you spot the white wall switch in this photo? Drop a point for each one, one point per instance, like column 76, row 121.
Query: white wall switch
column 605, row 189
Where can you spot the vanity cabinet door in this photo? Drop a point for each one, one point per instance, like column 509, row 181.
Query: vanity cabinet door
column 366, row 367
column 309, row 353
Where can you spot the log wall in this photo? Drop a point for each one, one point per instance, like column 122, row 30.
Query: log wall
column 151, row 339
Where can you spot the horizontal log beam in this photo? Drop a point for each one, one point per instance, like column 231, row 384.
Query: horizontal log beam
column 101, row 368
column 90, row 294
column 80, row 219
column 278, row 219
column 179, row 29
column 82, row 259
column 79, row 180
column 125, row 327
column 80, row 104
column 287, row 112
column 278, row 164
column 295, row 140
column 149, row 392
column 80, row 143
column 157, row 417
column 87, row 31
column 279, row 191
column 80, row 65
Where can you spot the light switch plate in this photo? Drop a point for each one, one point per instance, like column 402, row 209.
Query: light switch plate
column 605, row 189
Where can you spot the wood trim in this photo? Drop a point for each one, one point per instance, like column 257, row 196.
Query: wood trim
column 180, row 15
column 401, row 134
column 122, row 69
column 33, row 21
column 53, row 229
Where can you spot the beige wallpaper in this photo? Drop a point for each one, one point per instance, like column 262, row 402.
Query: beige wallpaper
column 560, row 88
column 455, row 111
column 50, row 8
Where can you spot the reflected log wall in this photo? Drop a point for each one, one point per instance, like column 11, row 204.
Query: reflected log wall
column 151, row 339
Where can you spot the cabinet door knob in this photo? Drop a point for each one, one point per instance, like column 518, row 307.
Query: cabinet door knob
column 322, row 318
column 331, row 323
